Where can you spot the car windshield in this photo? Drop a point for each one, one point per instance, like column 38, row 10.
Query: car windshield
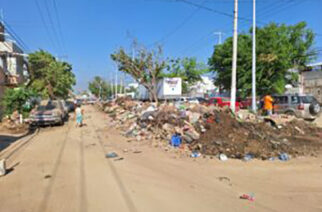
column 308, row 99
column 49, row 106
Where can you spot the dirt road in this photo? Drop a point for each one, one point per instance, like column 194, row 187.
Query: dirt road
column 65, row 169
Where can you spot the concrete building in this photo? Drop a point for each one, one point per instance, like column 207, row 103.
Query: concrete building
column 13, row 66
column 205, row 86
column 311, row 81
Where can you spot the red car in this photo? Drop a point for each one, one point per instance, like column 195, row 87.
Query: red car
column 245, row 103
column 222, row 102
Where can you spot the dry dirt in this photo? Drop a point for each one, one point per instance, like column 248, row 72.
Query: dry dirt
column 65, row 169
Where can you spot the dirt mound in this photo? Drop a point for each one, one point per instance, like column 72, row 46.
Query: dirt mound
column 225, row 134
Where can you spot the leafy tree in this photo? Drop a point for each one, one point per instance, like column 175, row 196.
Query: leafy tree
column 278, row 48
column 99, row 87
column 188, row 69
column 49, row 77
column 17, row 99
column 145, row 67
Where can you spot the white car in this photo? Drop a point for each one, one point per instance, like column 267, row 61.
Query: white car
column 193, row 100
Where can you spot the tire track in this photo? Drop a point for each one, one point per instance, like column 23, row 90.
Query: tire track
column 83, row 194
column 44, row 203
column 128, row 201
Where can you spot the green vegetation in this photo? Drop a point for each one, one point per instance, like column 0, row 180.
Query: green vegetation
column 188, row 69
column 49, row 77
column 100, row 88
column 144, row 66
column 279, row 48
column 19, row 99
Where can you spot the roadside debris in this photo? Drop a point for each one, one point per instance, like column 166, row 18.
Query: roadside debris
column 47, row 176
column 188, row 128
column 223, row 157
column 111, row 155
column 3, row 168
column 283, row 157
column 249, row 197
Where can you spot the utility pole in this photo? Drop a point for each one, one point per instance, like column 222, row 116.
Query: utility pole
column 254, row 60
column 220, row 35
column 234, row 65
column 116, row 84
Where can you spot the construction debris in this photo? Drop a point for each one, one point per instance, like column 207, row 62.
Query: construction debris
column 215, row 131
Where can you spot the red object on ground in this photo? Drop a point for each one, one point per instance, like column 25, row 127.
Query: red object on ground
column 248, row 197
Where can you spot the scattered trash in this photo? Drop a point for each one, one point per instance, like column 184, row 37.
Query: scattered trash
column 195, row 155
column 198, row 125
column 249, row 197
column 224, row 178
column 47, row 176
column 223, row 157
column 118, row 159
column 176, row 140
column 111, row 155
column 248, row 157
column 271, row 159
column 3, row 168
column 284, row 157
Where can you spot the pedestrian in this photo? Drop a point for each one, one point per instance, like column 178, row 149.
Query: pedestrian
column 79, row 116
column 268, row 104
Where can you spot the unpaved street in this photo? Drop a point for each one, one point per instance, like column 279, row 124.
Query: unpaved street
column 65, row 169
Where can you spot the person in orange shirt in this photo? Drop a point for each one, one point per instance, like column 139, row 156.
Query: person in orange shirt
column 268, row 104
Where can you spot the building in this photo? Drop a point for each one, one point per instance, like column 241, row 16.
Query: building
column 311, row 81
column 203, row 87
column 13, row 66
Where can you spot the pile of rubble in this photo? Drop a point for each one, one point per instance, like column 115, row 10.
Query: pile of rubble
column 11, row 126
column 214, row 131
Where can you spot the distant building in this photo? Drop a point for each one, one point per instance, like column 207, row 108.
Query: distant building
column 311, row 81
column 13, row 66
column 203, row 87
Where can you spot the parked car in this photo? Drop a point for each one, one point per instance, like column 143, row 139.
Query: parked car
column 91, row 101
column 201, row 100
column 71, row 106
column 193, row 100
column 48, row 112
column 222, row 102
column 245, row 103
column 65, row 107
column 301, row 106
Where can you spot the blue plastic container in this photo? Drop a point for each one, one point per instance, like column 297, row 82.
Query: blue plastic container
column 176, row 140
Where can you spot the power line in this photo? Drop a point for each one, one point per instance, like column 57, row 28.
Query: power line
column 52, row 24
column 213, row 10
column 45, row 25
column 59, row 25
column 169, row 34
column 15, row 36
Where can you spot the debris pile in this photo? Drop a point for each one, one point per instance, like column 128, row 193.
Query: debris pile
column 226, row 134
column 12, row 126
column 213, row 131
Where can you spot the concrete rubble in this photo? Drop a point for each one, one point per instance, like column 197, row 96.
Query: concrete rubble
column 213, row 131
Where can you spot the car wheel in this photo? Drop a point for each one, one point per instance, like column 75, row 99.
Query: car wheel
column 314, row 108
column 61, row 122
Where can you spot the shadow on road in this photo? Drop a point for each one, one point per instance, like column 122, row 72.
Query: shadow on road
column 7, row 140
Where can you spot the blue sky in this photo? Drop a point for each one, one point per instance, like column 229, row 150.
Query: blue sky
column 86, row 32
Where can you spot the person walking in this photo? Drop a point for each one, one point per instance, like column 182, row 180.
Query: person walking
column 268, row 104
column 79, row 116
